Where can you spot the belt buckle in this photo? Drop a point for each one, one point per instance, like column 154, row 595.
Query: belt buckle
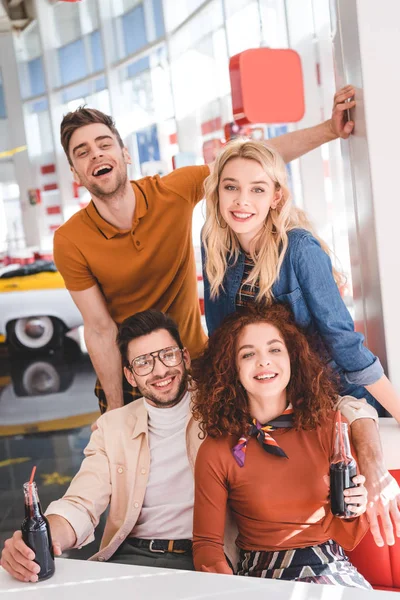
column 153, row 549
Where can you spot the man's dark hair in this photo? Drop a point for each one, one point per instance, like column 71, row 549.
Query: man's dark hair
column 79, row 118
column 143, row 323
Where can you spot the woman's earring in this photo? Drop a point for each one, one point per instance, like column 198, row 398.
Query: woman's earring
column 219, row 224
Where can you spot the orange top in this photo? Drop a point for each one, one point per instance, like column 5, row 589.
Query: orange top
column 150, row 266
column 277, row 503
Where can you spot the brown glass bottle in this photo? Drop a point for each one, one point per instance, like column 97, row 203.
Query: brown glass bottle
column 342, row 470
column 36, row 532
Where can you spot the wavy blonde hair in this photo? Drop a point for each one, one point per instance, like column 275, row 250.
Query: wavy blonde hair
column 268, row 247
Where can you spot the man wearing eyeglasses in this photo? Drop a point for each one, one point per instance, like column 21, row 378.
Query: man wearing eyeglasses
column 139, row 463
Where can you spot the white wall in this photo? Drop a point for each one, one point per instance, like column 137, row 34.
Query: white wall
column 380, row 50
column 367, row 50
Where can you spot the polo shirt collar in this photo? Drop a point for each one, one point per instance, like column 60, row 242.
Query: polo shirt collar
column 108, row 230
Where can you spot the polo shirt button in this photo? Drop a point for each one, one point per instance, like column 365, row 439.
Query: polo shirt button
column 136, row 505
column 137, row 243
column 143, row 471
column 122, row 537
column 120, row 470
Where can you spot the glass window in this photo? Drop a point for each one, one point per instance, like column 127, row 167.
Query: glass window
column 175, row 16
column 89, row 16
column 205, row 66
column 134, row 30
column 146, row 90
column 96, row 48
column 38, row 129
column 67, row 22
column 273, row 20
column 158, row 18
column 233, row 6
column 27, row 43
column 93, row 93
column 76, row 91
column 122, row 6
column 72, row 61
column 244, row 29
column 137, row 67
column 30, row 65
column 11, row 228
column 40, row 105
column 36, row 77
column 208, row 20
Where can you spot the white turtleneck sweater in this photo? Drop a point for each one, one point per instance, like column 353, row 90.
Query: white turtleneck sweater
column 167, row 511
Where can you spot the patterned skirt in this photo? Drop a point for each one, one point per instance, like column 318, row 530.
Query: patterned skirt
column 326, row 563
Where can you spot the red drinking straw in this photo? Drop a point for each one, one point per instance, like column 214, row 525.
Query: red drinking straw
column 30, row 488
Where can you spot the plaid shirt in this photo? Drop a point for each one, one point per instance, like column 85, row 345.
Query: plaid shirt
column 129, row 393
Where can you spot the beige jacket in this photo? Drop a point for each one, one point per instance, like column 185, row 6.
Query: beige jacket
column 115, row 471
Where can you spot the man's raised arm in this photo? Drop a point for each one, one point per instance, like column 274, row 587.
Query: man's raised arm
column 100, row 336
column 295, row 144
column 383, row 490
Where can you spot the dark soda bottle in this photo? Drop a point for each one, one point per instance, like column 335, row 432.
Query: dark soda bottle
column 36, row 532
column 342, row 470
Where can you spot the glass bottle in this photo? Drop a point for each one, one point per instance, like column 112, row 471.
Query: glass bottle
column 36, row 532
column 342, row 470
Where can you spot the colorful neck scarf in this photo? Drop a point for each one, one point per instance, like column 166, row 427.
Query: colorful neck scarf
column 285, row 420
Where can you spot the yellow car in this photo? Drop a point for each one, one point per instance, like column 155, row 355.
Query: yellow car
column 36, row 310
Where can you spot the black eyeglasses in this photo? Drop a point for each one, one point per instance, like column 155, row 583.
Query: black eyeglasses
column 169, row 357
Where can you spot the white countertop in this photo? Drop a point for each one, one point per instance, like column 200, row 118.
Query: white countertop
column 83, row 580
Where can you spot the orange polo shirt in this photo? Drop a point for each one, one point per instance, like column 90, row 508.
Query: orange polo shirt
column 150, row 266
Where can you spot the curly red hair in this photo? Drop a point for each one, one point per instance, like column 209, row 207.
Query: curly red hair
column 220, row 401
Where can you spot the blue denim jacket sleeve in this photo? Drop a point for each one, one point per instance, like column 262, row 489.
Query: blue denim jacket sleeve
column 333, row 321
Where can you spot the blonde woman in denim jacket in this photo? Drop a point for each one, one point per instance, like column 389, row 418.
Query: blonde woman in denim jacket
column 257, row 247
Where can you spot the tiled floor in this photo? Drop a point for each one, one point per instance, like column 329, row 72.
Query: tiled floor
column 46, row 407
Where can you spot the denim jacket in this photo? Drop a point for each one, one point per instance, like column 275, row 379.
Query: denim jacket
column 307, row 285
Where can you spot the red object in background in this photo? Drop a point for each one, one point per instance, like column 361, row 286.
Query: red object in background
column 211, row 149
column 233, row 130
column 211, row 125
column 34, row 196
column 267, row 86
column 380, row 566
column 20, row 257
column 46, row 169
column 43, row 255
column 53, row 210
column 50, row 187
column 75, row 189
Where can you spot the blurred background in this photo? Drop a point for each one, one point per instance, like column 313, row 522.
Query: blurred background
column 161, row 69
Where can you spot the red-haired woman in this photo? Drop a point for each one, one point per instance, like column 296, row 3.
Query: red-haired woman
column 265, row 401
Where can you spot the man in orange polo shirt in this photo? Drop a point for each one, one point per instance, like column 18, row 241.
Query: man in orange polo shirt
column 131, row 248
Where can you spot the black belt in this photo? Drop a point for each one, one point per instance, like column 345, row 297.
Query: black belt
column 175, row 546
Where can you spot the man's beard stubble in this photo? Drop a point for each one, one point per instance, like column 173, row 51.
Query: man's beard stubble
column 183, row 388
column 98, row 192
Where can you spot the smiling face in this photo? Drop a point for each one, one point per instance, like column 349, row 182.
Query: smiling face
column 263, row 365
column 164, row 386
column 246, row 194
column 98, row 161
